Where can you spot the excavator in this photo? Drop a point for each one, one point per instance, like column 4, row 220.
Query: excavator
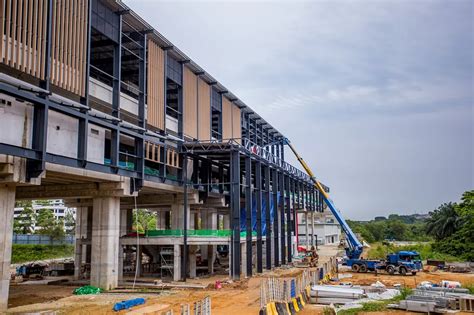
column 403, row 262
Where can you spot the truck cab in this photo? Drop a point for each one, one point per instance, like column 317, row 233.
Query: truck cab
column 404, row 262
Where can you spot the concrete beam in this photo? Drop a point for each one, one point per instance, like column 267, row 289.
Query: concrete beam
column 7, row 204
column 159, row 200
column 89, row 190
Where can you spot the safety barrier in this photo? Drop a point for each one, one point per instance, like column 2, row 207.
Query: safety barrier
column 285, row 296
column 201, row 233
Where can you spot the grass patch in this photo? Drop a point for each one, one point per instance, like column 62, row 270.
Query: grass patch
column 380, row 251
column 470, row 287
column 27, row 252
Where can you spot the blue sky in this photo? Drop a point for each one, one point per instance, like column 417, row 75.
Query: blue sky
column 376, row 95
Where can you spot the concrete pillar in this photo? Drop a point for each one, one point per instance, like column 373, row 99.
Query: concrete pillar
column 124, row 228
column 226, row 218
column 211, row 258
column 192, row 261
column 306, row 218
column 80, row 234
column 120, row 263
column 314, row 240
column 177, row 216
column 243, row 255
column 162, row 220
column 177, row 263
column 105, row 242
column 7, row 204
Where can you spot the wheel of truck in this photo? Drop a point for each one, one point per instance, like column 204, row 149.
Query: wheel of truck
column 355, row 267
column 390, row 269
column 413, row 273
column 402, row 271
column 363, row 268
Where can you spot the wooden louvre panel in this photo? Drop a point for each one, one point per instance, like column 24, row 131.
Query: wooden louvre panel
column 236, row 123
column 156, row 86
column 190, row 118
column 152, row 152
column 172, row 158
column 23, row 29
column 204, row 110
column 69, row 45
column 226, row 118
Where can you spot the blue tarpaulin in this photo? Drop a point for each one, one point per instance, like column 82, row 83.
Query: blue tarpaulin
column 243, row 214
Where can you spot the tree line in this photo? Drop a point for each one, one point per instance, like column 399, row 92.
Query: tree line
column 44, row 221
column 449, row 228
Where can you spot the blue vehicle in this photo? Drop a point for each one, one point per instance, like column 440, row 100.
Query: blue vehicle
column 403, row 262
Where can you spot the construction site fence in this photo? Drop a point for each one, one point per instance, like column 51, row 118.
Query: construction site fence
column 290, row 294
column 34, row 239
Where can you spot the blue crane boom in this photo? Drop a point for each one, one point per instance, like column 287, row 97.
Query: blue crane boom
column 355, row 247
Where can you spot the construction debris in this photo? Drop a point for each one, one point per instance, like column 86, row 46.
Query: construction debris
column 87, row 289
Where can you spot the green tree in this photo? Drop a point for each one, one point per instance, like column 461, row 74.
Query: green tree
column 23, row 224
column 69, row 223
column 396, row 230
column 45, row 221
column 461, row 242
column 144, row 220
column 444, row 221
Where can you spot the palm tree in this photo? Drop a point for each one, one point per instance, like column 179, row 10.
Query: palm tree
column 443, row 222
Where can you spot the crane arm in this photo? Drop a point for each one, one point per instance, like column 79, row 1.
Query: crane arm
column 355, row 246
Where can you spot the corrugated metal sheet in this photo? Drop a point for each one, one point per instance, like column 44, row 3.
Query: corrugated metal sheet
column 204, row 110
column 156, row 86
column 236, row 123
column 190, row 119
column 226, row 118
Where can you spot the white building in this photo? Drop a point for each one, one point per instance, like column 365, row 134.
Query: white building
column 56, row 206
column 326, row 229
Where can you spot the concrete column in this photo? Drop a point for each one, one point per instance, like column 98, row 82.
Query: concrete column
column 192, row 261
column 306, row 217
column 124, row 221
column 162, row 220
column 7, row 204
column 177, row 263
column 177, row 216
column 211, row 258
column 314, row 240
column 105, row 242
column 120, row 263
column 80, row 234
column 243, row 255
column 226, row 218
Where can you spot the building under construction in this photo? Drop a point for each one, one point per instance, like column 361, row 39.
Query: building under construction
column 99, row 109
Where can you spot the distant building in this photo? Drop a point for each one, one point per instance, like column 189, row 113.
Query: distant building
column 326, row 230
column 56, row 206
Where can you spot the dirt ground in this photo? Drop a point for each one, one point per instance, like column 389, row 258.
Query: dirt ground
column 242, row 297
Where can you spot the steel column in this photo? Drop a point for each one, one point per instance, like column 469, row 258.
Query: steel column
column 281, row 187
column 184, row 261
column 235, row 211
column 258, row 193
column 268, row 223
column 276, row 248
column 117, row 68
column 288, row 217
column 248, row 213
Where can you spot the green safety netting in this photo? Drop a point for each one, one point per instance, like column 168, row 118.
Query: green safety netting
column 203, row 233
column 87, row 289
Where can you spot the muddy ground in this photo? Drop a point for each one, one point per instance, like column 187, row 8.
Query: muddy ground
column 241, row 297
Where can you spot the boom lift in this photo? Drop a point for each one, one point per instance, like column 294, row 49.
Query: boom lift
column 401, row 262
